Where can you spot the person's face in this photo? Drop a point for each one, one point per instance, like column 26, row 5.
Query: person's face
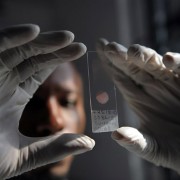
column 57, row 106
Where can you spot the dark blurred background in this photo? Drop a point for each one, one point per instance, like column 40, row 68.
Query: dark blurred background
column 153, row 23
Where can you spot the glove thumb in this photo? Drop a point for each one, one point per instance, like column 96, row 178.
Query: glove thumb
column 46, row 150
column 134, row 141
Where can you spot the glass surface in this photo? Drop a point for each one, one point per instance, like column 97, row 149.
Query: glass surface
column 102, row 91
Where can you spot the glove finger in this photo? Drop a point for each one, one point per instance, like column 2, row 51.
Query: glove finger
column 45, row 43
column 142, row 55
column 100, row 46
column 51, row 61
column 148, row 60
column 43, row 151
column 118, row 55
column 151, row 62
column 17, row 35
column 172, row 61
column 117, row 50
column 141, row 144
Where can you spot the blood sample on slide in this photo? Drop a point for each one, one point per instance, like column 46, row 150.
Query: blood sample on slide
column 103, row 103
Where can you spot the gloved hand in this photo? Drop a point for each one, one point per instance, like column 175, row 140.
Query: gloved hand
column 150, row 84
column 26, row 60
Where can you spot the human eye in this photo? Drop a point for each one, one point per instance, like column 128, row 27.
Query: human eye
column 67, row 102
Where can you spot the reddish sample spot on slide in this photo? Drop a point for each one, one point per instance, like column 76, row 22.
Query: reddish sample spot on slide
column 102, row 97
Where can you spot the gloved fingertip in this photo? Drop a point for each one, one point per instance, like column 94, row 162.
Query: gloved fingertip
column 134, row 50
column 103, row 40
column 116, row 49
column 116, row 136
column 70, row 35
column 130, row 138
column 72, row 52
column 121, row 139
column 90, row 144
column 112, row 48
column 83, row 48
column 101, row 43
column 127, row 133
column 86, row 142
column 32, row 29
column 18, row 35
column 169, row 60
column 81, row 145
column 77, row 49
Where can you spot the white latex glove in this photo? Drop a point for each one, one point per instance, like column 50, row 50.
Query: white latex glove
column 26, row 60
column 152, row 90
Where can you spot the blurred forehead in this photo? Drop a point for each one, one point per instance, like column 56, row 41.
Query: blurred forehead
column 65, row 76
